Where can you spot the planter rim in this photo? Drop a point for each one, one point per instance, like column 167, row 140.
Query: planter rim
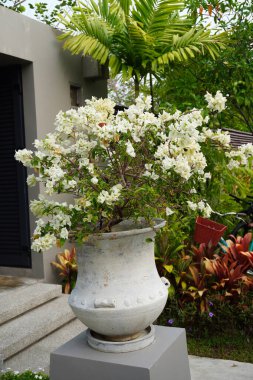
column 210, row 224
column 158, row 223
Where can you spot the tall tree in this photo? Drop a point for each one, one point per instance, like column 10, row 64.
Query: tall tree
column 15, row 5
column 231, row 72
column 40, row 10
column 137, row 38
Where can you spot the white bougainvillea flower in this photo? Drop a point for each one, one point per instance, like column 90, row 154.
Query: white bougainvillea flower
column 24, row 156
column 217, row 102
column 169, row 211
column 127, row 165
column 130, row 149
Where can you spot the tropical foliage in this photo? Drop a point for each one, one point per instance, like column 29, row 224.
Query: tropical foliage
column 136, row 38
column 204, row 275
column 184, row 85
column 67, row 265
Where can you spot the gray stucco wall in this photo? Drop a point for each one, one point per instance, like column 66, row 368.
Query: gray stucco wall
column 47, row 73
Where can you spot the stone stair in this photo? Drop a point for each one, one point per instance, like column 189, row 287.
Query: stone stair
column 26, row 298
column 34, row 316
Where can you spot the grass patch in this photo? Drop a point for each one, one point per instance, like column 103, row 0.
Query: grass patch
column 224, row 331
column 235, row 346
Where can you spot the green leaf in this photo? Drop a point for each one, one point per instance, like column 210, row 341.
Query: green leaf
column 171, row 291
column 178, row 249
column 169, row 268
column 184, row 285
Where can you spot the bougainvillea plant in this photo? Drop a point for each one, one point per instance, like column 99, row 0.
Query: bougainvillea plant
column 130, row 165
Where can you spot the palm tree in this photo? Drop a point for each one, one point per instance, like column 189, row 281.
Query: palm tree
column 137, row 38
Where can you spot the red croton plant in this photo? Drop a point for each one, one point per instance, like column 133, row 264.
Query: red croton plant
column 214, row 273
column 67, row 267
column 240, row 251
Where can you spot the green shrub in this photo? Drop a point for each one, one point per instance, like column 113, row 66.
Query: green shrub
column 27, row 375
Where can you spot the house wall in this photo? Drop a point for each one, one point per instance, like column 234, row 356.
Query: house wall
column 47, row 73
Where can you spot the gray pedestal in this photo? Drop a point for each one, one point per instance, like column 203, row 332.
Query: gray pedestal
column 165, row 359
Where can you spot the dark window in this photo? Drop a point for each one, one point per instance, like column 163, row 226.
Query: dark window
column 14, row 218
column 75, row 96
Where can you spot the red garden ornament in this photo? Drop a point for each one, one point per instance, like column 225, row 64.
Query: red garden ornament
column 207, row 230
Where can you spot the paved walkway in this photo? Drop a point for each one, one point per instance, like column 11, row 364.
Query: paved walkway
column 216, row 369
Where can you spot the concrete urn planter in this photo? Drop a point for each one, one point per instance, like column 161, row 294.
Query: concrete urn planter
column 119, row 293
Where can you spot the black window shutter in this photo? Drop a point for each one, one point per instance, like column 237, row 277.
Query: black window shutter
column 14, row 218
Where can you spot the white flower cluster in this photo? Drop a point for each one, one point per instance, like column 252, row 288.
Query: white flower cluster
column 150, row 173
column 31, row 180
column 108, row 161
column 57, row 215
column 169, row 211
column 218, row 136
column 110, row 197
column 201, row 206
column 44, row 243
column 240, row 156
column 24, row 156
column 180, row 149
column 130, row 149
column 216, row 103
column 38, row 206
column 104, row 107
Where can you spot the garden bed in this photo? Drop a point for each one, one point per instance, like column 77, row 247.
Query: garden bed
column 227, row 346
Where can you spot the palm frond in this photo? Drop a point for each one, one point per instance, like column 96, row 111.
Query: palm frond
column 87, row 34
column 138, row 39
column 153, row 15
column 176, row 25
column 87, row 45
column 125, row 5
column 109, row 12
column 116, row 15
column 188, row 45
column 115, row 65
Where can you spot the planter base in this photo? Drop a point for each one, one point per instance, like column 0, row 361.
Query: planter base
column 165, row 359
column 144, row 339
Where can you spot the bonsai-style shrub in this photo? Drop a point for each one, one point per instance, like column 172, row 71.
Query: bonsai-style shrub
column 130, row 165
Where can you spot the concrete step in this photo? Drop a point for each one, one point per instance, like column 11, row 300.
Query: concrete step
column 30, row 327
column 37, row 356
column 11, row 283
column 20, row 300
